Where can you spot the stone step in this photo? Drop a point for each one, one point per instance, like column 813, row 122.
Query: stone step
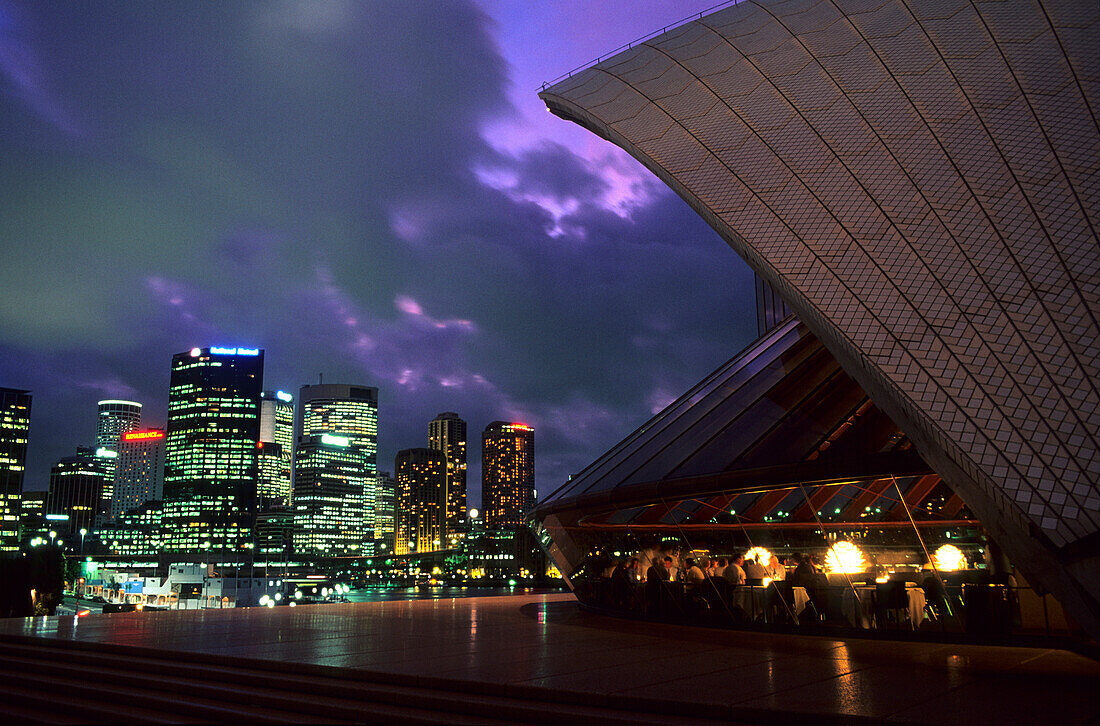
column 118, row 700
column 52, row 704
column 351, row 696
column 295, row 701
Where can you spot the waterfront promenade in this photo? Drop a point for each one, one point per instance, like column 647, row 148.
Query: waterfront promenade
column 538, row 645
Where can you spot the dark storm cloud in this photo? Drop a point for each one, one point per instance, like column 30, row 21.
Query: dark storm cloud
column 311, row 178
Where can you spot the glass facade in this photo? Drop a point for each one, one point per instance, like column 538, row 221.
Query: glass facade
column 78, row 493
column 113, row 419
column 136, row 532
column 15, row 422
column 32, row 516
column 348, row 412
column 507, row 473
column 277, row 454
column 776, row 494
column 211, row 451
column 328, row 497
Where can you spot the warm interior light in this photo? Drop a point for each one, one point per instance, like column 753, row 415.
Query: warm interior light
column 845, row 557
column 760, row 555
column 949, row 558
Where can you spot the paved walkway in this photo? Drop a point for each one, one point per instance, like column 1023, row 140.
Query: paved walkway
column 546, row 641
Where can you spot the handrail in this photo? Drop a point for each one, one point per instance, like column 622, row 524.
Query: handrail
column 631, row 44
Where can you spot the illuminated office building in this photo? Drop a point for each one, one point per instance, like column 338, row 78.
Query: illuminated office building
column 32, row 516
column 421, row 504
column 136, row 532
column 350, row 412
column 507, row 473
column 277, row 453
column 385, row 489
column 328, row 497
column 270, row 491
column 275, row 533
column 213, row 430
column 15, row 422
column 76, row 499
column 447, row 434
column 344, row 410
column 114, row 419
column 139, row 473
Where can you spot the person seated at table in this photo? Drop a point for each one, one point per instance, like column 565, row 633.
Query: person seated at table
column 658, row 571
column 734, row 573
column 803, row 575
column 673, row 570
column 693, row 574
column 620, row 585
column 719, row 568
column 775, row 569
column 754, row 570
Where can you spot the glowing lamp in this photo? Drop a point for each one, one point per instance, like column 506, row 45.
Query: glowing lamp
column 845, row 557
column 760, row 555
column 949, row 558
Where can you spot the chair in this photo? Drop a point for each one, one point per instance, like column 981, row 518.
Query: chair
column 892, row 603
column 780, row 603
column 935, row 597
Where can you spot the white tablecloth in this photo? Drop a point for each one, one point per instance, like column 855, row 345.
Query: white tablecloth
column 753, row 599
column 917, row 601
column 750, row 599
column 858, row 606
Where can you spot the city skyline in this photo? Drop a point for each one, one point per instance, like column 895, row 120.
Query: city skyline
column 457, row 261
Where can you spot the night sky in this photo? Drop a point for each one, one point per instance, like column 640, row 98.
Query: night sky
column 372, row 191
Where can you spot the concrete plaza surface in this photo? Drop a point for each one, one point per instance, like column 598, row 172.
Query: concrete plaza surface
column 545, row 641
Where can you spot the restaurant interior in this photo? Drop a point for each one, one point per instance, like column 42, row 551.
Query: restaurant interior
column 780, row 458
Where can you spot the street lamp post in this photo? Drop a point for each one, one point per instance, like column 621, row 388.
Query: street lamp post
column 83, row 532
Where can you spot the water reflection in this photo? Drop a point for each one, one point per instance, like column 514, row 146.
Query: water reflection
column 377, row 594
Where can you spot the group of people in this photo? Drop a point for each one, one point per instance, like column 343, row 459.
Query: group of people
column 737, row 570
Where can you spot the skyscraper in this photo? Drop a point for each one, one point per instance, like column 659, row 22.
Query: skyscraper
column 15, row 422
column 447, row 434
column 32, row 516
column 421, row 503
column 139, row 473
column 77, row 492
column 328, row 497
column 346, row 412
column 276, row 456
column 114, row 419
column 385, row 493
column 213, row 430
column 507, row 473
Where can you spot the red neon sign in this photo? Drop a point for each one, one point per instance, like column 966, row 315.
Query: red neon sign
column 142, row 435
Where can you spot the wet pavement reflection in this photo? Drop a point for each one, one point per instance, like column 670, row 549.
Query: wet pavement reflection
column 545, row 640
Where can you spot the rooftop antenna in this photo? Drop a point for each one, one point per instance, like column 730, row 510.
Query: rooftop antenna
column 320, row 378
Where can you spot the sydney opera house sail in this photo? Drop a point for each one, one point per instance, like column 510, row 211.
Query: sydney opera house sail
column 920, row 182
